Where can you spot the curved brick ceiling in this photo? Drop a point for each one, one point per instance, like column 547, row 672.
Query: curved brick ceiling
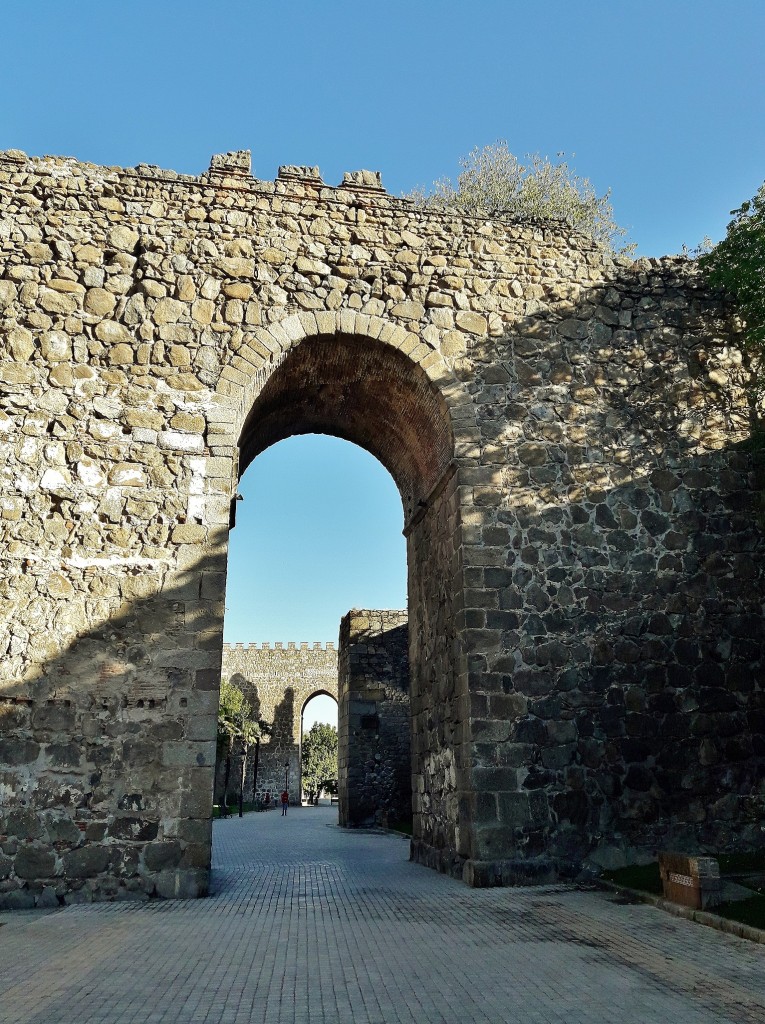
column 362, row 391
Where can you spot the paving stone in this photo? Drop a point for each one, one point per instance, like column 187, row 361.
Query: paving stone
column 308, row 923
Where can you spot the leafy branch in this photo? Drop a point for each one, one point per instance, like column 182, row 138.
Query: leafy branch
column 737, row 265
column 494, row 181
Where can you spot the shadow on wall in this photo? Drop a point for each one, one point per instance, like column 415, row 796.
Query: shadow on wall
column 285, row 749
column 107, row 750
column 284, row 717
column 236, row 753
column 615, row 642
column 250, row 691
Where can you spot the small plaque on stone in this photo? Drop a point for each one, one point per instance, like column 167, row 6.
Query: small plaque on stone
column 690, row 881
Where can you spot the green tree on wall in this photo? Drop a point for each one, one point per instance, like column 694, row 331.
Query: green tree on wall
column 319, row 759
column 494, row 181
column 737, row 264
column 237, row 724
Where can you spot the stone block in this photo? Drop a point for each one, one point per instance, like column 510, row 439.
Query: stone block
column 64, row 755
column 493, row 841
column 491, row 731
column 193, row 830
column 160, row 856
column 34, row 862
column 196, row 855
column 85, row 862
column 20, row 899
column 140, row 753
column 182, row 883
column 23, row 823
column 134, row 828
column 514, row 809
column 184, row 753
column 197, row 803
column 15, row 751
column 492, row 780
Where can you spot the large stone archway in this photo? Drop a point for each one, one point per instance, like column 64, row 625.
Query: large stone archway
column 585, row 562
column 356, row 382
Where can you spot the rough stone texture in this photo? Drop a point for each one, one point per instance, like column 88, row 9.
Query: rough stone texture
column 374, row 747
column 278, row 681
column 585, row 559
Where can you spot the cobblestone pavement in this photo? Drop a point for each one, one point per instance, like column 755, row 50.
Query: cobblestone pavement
column 309, row 923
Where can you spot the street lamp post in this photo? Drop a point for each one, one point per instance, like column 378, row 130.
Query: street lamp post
column 286, row 776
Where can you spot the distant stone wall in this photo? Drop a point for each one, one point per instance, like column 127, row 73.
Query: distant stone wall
column 374, row 719
column 278, row 681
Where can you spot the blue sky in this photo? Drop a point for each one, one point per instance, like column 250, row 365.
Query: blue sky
column 663, row 101
column 321, row 522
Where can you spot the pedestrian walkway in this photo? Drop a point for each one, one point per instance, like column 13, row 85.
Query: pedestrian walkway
column 311, row 923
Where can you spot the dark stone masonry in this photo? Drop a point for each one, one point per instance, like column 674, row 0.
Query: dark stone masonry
column 566, row 429
column 374, row 744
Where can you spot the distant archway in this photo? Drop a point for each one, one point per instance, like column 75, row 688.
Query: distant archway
column 327, row 701
column 321, row 708
column 278, row 680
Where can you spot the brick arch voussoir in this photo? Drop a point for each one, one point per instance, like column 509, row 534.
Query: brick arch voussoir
column 308, row 693
column 243, row 378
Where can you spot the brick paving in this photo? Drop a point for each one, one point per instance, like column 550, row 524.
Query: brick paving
column 309, row 923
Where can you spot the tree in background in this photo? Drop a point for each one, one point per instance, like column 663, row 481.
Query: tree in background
column 237, row 724
column 737, row 264
column 493, row 181
column 319, row 759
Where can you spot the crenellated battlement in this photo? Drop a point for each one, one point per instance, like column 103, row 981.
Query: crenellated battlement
column 278, row 646
column 227, row 171
column 266, row 671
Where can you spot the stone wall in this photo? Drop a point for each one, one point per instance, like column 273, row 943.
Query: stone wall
column 566, row 431
column 278, row 681
column 374, row 747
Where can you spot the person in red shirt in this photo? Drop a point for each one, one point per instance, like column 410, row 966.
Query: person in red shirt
column 285, row 802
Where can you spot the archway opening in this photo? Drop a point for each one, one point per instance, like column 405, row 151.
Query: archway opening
column 318, row 749
column 364, row 391
column 318, row 530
